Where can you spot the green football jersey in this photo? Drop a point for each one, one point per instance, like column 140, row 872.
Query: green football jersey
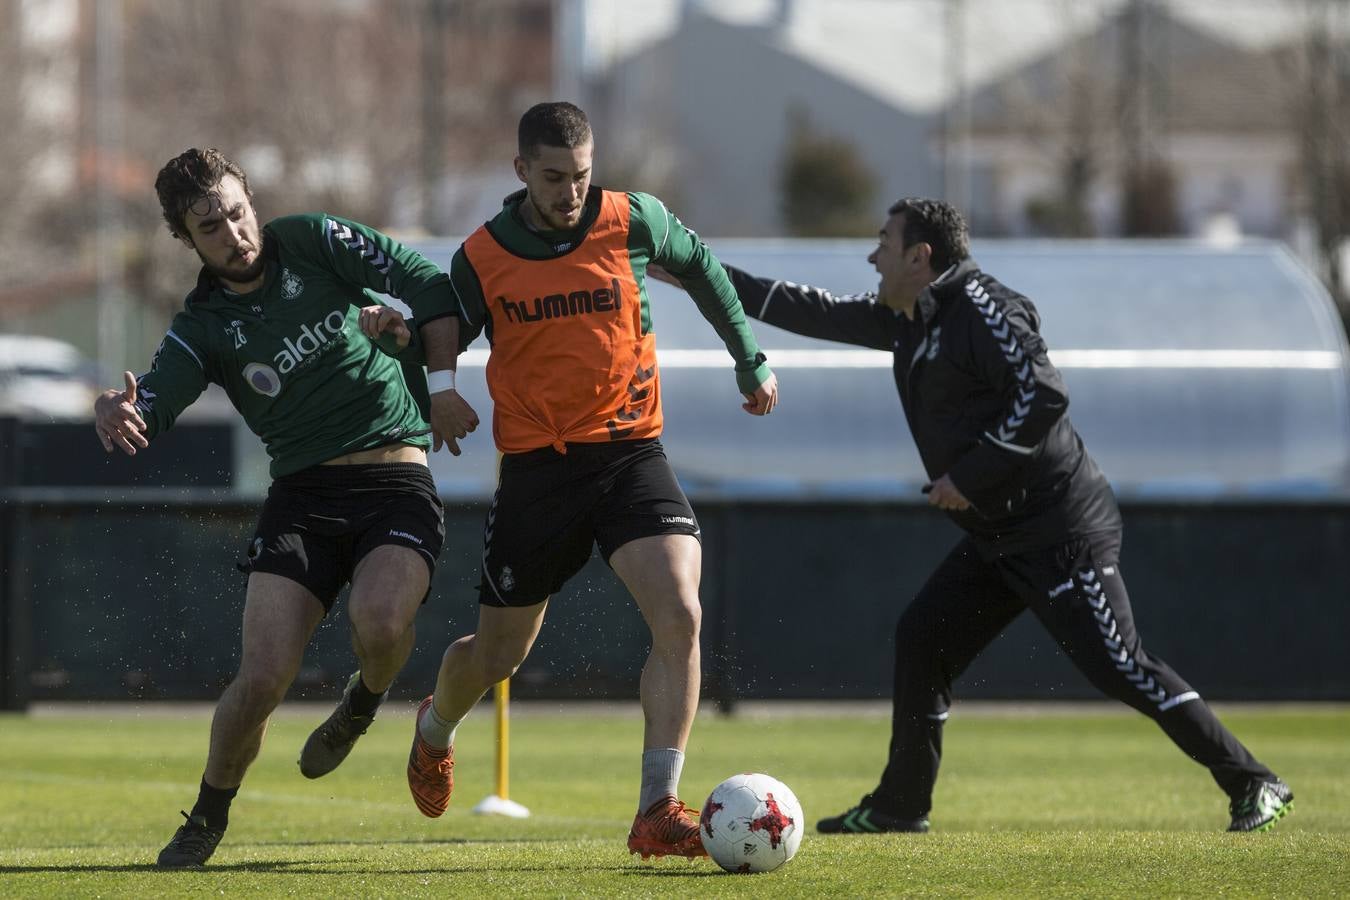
column 290, row 354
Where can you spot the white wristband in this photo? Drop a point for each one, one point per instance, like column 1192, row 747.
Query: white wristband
column 441, row 380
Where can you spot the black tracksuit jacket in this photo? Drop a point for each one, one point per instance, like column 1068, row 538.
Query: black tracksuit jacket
column 984, row 403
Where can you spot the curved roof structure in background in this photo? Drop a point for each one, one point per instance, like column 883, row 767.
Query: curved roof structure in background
column 1194, row 372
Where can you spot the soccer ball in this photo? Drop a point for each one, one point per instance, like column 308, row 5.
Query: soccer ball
column 751, row 823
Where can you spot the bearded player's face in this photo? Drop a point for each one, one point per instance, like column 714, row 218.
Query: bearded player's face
column 224, row 231
column 556, row 181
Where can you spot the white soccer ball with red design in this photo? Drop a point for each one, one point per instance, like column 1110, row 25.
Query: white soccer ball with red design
column 751, row 823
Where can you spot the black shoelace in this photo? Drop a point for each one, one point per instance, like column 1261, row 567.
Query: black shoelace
column 341, row 727
column 195, row 837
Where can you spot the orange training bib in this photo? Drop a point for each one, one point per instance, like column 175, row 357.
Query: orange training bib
column 569, row 361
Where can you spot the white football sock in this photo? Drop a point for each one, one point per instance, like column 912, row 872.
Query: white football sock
column 660, row 775
column 436, row 731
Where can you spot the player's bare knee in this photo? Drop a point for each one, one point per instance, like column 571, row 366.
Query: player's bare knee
column 260, row 688
column 677, row 623
column 380, row 636
column 496, row 663
column 458, row 651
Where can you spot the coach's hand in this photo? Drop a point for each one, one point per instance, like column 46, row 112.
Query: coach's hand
column 764, row 399
column 452, row 418
column 944, row 495
column 376, row 320
column 116, row 421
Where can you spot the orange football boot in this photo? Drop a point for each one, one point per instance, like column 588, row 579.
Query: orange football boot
column 667, row 828
column 431, row 775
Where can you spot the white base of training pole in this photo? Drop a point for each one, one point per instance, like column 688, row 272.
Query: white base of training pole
column 500, row 806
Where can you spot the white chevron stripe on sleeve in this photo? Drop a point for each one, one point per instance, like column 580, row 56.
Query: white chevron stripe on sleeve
column 1025, row 451
column 182, row 343
column 1178, row 700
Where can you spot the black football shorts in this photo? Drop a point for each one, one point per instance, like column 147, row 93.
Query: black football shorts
column 551, row 508
column 318, row 523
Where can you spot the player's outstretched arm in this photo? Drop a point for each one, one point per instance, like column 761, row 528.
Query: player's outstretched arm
column 452, row 418
column 116, row 420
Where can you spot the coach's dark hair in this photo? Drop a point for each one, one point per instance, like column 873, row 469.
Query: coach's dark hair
column 558, row 124
column 187, row 178
column 936, row 224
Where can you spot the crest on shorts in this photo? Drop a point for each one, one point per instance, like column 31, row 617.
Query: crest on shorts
column 292, row 285
column 507, row 580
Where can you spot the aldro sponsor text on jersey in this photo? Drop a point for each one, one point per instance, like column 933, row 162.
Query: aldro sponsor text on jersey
column 311, row 338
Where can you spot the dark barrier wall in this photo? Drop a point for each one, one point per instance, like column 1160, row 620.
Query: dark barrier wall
column 134, row 598
column 67, row 454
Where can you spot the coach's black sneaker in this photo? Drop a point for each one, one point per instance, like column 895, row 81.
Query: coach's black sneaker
column 1261, row 805
column 192, row 844
column 869, row 820
column 330, row 743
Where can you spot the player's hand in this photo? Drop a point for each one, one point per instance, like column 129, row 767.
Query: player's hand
column 116, row 421
column 376, row 320
column 944, row 495
column 764, row 399
column 452, row 418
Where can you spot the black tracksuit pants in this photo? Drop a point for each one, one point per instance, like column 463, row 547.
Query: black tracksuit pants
column 1076, row 591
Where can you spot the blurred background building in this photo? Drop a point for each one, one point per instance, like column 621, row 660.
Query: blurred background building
column 1168, row 179
column 1054, row 118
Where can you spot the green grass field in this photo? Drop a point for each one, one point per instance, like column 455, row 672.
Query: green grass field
column 1031, row 802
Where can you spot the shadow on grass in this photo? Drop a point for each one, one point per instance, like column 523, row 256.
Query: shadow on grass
column 380, row 842
column 651, row 872
column 347, row 866
column 355, row 867
column 276, row 866
column 325, row 867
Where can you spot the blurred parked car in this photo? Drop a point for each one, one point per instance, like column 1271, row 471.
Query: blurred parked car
column 45, row 378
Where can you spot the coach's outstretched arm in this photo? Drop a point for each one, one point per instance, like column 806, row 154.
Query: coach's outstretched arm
column 813, row 312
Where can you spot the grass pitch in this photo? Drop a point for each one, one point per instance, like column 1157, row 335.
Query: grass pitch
column 1032, row 801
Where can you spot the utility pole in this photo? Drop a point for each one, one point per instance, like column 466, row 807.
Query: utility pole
column 956, row 137
column 1148, row 201
column 1326, row 162
column 437, row 16
column 109, row 241
column 569, row 50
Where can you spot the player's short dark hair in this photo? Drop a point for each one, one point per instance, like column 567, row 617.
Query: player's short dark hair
column 187, row 178
column 558, row 124
column 936, row 224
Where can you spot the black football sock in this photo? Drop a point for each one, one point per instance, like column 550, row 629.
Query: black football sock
column 363, row 702
column 213, row 804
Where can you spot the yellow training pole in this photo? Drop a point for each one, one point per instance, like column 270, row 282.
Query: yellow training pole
column 502, row 695
column 498, row 804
